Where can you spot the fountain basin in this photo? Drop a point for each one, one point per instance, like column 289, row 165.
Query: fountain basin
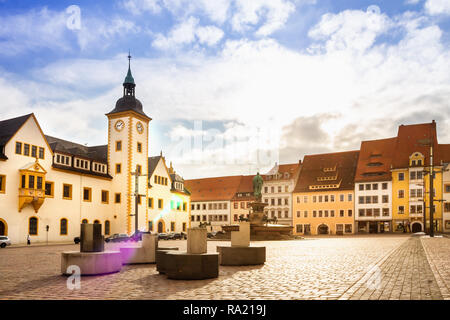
column 92, row 263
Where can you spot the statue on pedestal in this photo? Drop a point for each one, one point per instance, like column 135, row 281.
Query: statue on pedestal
column 257, row 187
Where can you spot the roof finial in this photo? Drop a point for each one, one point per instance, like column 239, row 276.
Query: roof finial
column 129, row 58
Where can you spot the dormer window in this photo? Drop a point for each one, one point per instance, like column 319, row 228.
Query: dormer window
column 61, row 159
column 329, row 169
column 99, row 167
column 81, row 164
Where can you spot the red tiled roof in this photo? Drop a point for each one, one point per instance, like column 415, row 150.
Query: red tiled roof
column 410, row 139
column 315, row 167
column 213, row 189
column 245, row 186
column 375, row 159
column 444, row 152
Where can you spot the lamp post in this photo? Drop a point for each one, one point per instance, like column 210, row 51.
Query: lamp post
column 137, row 174
column 429, row 142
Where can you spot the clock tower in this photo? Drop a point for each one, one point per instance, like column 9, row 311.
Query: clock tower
column 128, row 153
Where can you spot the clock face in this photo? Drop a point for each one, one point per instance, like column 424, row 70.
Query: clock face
column 139, row 127
column 119, row 125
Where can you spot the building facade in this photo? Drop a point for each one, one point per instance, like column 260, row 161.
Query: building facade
column 49, row 186
column 373, row 186
column 211, row 201
column 279, row 183
column 410, row 178
column 324, row 194
column 168, row 201
column 240, row 203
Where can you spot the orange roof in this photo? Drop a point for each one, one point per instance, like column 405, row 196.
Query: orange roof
column 410, row 139
column 321, row 171
column 375, row 159
column 213, row 189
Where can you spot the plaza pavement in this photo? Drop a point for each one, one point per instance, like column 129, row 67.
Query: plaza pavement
column 319, row 268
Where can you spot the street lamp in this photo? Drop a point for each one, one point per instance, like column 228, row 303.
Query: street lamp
column 426, row 143
column 137, row 174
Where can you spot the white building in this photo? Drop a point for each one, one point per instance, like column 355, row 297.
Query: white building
column 168, row 200
column 278, row 186
column 373, row 186
column 49, row 186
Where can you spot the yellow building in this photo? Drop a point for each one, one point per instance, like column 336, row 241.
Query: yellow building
column 410, row 178
column 323, row 198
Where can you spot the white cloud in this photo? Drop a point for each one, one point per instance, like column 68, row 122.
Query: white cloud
column 209, row 35
column 140, row 6
column 412, row 2
column 35, row 29
column 352, row 89
column 351, row 29
column 216, row 10
column 187, row 32
column 96, row 33
column 250, row 13
column 44, row 28
column 266, row 16
column 438, row 7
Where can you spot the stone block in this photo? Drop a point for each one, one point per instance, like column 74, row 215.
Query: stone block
column 91, row 239
column 161, row 260
column 92, row 263
column 145, row 254
column 150, row 241
column 186, row 266
column 241, row 238
column 241, row 256
column 196, row 240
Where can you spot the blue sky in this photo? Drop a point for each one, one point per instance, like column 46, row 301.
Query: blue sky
column 230, row 82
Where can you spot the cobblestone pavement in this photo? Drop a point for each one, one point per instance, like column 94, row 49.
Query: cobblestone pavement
column 319, row 268
column 438, row 254
column 405, row 274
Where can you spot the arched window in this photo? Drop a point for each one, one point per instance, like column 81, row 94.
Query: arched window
column 33, row 226
column 96, row 221
column 84, row 221
column 63, row 227
column 107, row 227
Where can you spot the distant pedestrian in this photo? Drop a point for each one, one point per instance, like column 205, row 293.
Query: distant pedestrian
column 28, row 240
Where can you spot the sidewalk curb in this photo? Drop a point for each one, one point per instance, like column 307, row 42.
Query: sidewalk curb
column 39, row 245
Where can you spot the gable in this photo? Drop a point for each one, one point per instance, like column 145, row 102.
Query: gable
column 34, row 167
column 28, row 132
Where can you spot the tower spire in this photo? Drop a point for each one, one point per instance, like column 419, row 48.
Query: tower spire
column 128, row 84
